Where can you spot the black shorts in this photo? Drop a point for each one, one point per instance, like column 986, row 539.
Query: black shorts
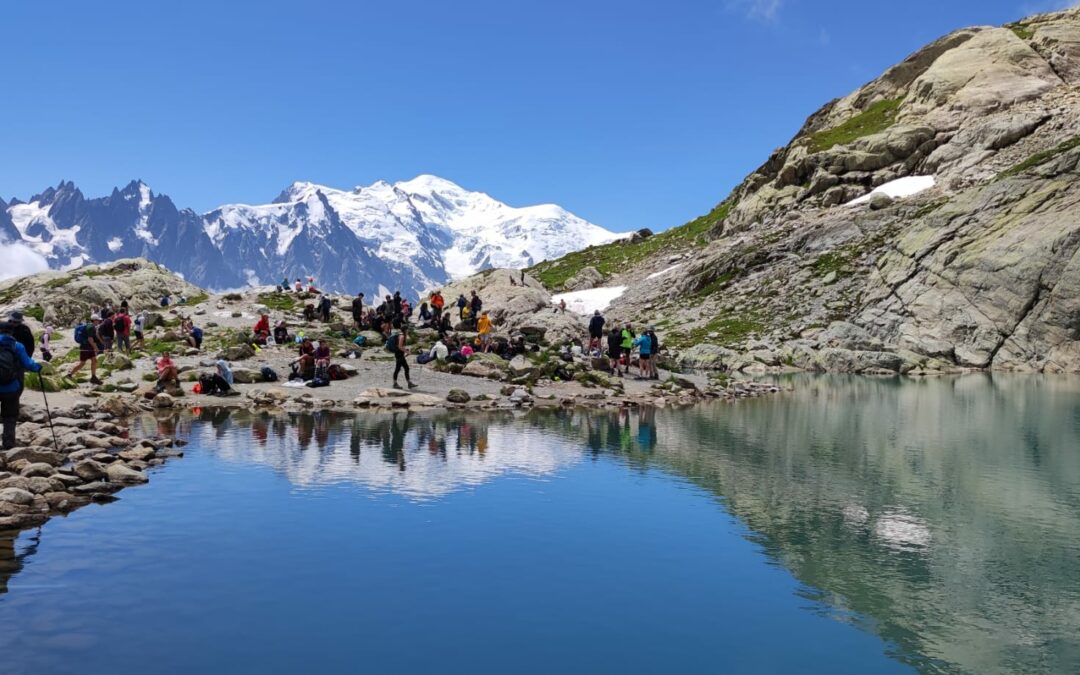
column 644, row 357
column 86, row 353
column 138, row 335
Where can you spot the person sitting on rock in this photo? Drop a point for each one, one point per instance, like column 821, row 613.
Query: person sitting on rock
column 303, row 368
column 425, row 314
column 322, row 355
column 438, row 352
column 14, row 362
column 446, row 325
column 261, row 329
column 193, row 334
column 167, row 374
column 299, row 287
column 281, row 333
column 309, row 312
column 220, row 381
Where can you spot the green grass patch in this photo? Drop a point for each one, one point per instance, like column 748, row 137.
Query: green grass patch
column 723, row 330
column 1022, row 31
column 833, row 261
column 36, row 311
column 876, row 118
column 195, row 299
column 618, row 256
column 157, row 346
column 282, row 302
column 716, row 284
column 1041, row 157
column 58, row 283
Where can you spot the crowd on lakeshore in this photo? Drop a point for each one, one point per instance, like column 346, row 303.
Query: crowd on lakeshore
column 119, row 329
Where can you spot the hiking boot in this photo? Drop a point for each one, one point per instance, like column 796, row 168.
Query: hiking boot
column 413, row 386
column 94, row 380
column 9, row 434
column 396, row 385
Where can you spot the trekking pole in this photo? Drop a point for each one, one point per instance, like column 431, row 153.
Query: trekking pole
column 48, row 415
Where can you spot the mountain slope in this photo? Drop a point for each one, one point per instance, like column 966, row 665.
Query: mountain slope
column 971, row 263
column 410, row 235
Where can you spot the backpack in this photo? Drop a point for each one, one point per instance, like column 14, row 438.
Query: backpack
column 268, row 374
column 81, row 332
column 10, row 365
column 392, row 342
column 336, row 373
column 118, row 324
column 359, row 340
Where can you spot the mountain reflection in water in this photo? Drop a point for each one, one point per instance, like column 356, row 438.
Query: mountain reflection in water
column 942, row 515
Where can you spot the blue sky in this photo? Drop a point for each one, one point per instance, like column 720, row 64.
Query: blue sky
column 630, row 114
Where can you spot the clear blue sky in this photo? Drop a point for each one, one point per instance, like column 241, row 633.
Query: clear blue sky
column 630, row 114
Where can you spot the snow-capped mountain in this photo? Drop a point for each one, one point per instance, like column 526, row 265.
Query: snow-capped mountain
column 409, row 235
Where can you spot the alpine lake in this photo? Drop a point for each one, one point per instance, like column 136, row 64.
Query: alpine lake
column 851, row 525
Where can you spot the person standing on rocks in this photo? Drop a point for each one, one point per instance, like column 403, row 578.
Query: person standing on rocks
column 483, row 327
column 105, row 332
column 614, row 343
column 86, row 335
column 14, row 362
column 461, row 304
column 644, row 344
column 138, row 326
column 358, row 311
column 476, row 304
column 437, row 303
column 21, row 332
column 396, row 344
column 596, row 330
column 627, row 345
column 122, row 328
column 654, row 347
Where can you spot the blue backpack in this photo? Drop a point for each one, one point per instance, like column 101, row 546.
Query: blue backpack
column 81, row 335
column 359, row 341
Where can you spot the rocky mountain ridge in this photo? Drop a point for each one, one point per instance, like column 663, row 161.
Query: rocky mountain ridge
column 793, row 269
column 410, row 235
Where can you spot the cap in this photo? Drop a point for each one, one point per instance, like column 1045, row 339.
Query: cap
column 95, row 317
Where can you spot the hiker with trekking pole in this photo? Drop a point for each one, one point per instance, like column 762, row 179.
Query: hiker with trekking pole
column 14, row 362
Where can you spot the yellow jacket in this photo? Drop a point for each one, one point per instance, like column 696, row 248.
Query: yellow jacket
column 483, row 325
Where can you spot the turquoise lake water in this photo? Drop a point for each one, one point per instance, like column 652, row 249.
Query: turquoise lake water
column 854, row 525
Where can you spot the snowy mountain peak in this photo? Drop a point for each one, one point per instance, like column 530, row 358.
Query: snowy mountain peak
column 410, row 235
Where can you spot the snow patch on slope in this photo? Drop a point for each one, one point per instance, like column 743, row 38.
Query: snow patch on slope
column 588, row 301
column 898, row 189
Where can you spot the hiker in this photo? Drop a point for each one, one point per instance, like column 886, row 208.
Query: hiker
column 644, row 344
column 106, row 330
column 219, row 382
column 596, row 330
column 138, row 326
column 513, row 282
column 86, row 336
column 311, row 286
column 122, row 329
column 561, row 307
column 299, row 287
column 522, row 277
column 284, row 285
column 396, row 344
column 446, row 325
column 322, row 355
column 194, row 334
column 614, row 343
column 358, row 311
column 44, row 339
column 476, row 304
column 303, row 368
column 395, row 302
column 483, row 326
column 439, row 351
column 425, row 314
column 14, row 362
column 261, row 330
column 654, row 349
column 165, row 300
column 626, row 346
column 437, row 302
column 21, row 332
column 461, row 304
column 324, row 307
column 281, row 333
column 166, row 372
column 467, row 318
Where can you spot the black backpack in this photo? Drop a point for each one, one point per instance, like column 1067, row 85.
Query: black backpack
column 269, row 374
column 10, row 364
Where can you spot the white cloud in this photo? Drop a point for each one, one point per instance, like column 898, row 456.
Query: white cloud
column 18, row 260
column 762, row 10
column 1043, row 6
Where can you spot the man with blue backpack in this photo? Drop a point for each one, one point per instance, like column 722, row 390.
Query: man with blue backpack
column 86, row 336
column 14, row 362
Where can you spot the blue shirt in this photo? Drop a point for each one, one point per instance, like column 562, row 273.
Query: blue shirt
column 6, row 342
column 644, row 344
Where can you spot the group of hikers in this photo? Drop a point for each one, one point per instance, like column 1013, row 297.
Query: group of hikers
column 621, row 343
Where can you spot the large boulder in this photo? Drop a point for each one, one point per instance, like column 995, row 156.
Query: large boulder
column 237, row 352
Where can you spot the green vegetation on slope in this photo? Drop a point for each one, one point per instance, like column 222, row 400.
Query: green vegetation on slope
column 1022, row 31
column 281, row 302
column 724, row 330
column 618, row 256
column 1041, row 157
column 876, row 118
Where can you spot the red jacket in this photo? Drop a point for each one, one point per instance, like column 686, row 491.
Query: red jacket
column 264, row 324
